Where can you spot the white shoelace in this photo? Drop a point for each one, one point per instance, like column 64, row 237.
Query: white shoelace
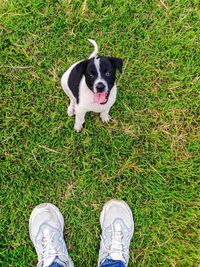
column 116, row 244
column 48, row 247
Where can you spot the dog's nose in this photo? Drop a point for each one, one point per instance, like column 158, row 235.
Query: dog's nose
column 100, row 87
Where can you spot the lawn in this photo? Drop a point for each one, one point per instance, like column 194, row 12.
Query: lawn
column 148, row 155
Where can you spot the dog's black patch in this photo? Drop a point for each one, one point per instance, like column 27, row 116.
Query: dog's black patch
column 107, row 71
column 90, row 74
column 116, row 62
column 75, row 78
column 108, row 66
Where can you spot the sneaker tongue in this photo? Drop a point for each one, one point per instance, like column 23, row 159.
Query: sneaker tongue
column 117, row 256
column 47, row 262
column 60, row 260
column 100, row 97
column 52, row 255
column 116, row 251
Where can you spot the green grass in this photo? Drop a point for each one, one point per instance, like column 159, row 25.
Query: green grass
column 147, row 155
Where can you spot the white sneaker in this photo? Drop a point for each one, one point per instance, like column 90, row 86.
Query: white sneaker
column 117, row 230
column 46, row 226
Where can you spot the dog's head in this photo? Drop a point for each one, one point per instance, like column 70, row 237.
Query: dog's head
column 100, row 75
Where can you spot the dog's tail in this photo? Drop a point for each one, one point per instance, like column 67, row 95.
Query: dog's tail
column 96, row 50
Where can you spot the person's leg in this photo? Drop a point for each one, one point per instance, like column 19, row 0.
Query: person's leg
column 112, row 263
column 55, row 264
column 117, row 227
column 46, row 226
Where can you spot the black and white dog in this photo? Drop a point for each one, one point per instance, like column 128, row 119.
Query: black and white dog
column 90, row 85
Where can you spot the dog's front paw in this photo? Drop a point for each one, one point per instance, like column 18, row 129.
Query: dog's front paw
column 105, row 118
column 70, row 111
column 78, row 127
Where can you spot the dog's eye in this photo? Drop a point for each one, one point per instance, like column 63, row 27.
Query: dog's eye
column 108, row 73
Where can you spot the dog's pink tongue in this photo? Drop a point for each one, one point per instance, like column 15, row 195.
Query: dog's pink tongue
column 100, row 98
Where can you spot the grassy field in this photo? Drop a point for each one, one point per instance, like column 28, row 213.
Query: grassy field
column 148, row 154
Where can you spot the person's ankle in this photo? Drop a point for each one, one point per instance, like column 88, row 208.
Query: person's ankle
column 60, row 262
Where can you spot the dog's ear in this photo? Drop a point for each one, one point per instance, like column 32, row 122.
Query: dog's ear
column 81, row 67
column 116, row 62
